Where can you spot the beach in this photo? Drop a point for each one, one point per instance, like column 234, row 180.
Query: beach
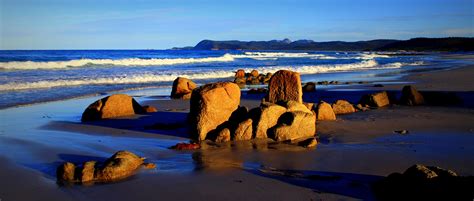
column 352, row 152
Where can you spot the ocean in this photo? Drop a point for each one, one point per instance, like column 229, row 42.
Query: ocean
column 32, row 76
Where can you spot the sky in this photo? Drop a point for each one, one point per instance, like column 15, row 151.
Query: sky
column 162, row 24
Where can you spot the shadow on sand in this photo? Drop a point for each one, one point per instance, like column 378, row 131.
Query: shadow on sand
column 172, row 124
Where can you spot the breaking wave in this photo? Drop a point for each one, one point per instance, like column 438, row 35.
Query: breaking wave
column 153, row 78
column 31, row 65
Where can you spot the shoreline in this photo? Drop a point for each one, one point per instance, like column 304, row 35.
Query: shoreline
column 359, row 148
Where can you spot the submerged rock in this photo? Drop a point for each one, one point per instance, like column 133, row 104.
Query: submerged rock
column 410, row 96
column 117, row 105
column 309, row 87
column 182, row 88
column 211, row 106
column 285, row 86
column 186, row 146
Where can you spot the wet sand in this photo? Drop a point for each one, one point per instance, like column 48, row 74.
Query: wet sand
column 353, row 151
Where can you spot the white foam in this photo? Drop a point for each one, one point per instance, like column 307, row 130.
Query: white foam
column 28, row 65
column 153, row 78
column 274, row 55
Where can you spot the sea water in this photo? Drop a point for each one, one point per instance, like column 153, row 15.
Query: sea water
column 31, row 76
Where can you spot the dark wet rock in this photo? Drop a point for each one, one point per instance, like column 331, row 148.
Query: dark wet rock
column 309, row 87
column 410, row 96
column 441, row 98
column 421, row 182
column 402, row 132
column 182, row 88
column 186, row 146
column 253, row 81
column 324, row 112
column 285, row 86
column 342, row 107
column 240, row 73
column 117, row 105
column 149, row 109
column 378, row 85
column 380, row 99
column 211, row 106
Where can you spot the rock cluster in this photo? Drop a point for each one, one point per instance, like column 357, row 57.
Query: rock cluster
column 121, row 165
column 216, row 115
column 117, row 105
column 182, row 88
column 421, row 182
column 252, row 78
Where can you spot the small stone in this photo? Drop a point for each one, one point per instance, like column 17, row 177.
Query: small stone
column 186, row 146
column 149, row 109
column 149, row 165
column 308, row 143
column 402, row 132
column 223, row 136
column 65, row 172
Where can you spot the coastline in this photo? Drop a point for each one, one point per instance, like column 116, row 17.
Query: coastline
column 360, row 147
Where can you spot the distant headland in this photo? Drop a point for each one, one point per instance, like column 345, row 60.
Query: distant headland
column 450, row 44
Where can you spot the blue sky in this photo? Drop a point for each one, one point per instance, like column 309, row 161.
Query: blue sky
column 145, row 24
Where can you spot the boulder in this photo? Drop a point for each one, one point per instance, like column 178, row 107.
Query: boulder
column 309, row 87
column 292, row 106
column 379, row 99
column 244, row 130
column 182, row 88
column 149, row 109
column 294, row 125
column 285, row 86
column 223, row 136
column 254, row 73
column 342, row 107
column 212, row 105
column 116, row 105
column 410, row 96
column 324, row 112
column 266, row 117
column 240, row 73
column 66, row 171
column 121, row 165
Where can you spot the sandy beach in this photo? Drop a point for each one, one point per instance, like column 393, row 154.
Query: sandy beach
column 353, row 152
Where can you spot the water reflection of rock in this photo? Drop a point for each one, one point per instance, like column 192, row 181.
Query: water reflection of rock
column 235, row 154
